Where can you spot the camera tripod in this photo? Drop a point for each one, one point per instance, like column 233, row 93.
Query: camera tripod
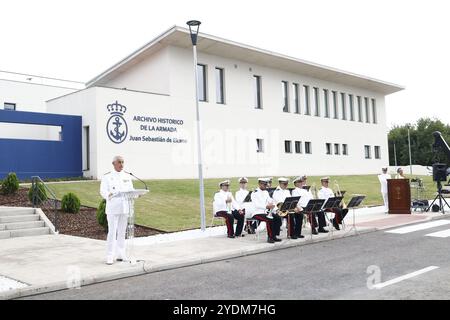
column 442, row 201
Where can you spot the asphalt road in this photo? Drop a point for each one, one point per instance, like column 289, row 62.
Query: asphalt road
column 340, row 269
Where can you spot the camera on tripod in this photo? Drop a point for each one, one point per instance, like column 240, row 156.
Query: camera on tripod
column 440, row 172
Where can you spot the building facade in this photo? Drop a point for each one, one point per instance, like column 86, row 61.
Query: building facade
column 261, row 113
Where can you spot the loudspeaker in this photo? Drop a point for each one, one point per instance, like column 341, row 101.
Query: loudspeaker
column 439, row 172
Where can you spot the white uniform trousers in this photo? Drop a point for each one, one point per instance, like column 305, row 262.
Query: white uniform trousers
column 386, row 203
column 117, row 227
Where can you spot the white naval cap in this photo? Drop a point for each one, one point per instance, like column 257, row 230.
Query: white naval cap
column 325, row 179
column 264, row 180
column 243, row 180
column 224, row 183
column 283, row 180
column 300, row 178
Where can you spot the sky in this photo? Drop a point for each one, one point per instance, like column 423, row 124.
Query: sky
column 403, row 42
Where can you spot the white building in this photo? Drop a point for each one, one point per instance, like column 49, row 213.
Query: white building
column 262, row 113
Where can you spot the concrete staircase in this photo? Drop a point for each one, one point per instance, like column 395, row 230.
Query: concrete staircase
column 21, row 222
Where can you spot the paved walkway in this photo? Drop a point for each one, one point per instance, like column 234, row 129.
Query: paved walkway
column 32, row 265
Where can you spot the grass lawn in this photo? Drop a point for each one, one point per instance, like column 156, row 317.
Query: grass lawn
column 173, row 205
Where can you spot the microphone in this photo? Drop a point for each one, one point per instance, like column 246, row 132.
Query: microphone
column 146, row 187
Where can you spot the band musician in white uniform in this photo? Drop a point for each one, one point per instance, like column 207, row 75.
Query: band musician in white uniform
column 384, row 189
column 247, row 207
column 227, row 207
column 117, row 210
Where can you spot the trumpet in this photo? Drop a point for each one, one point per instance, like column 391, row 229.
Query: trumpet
column 313, row 191
column 338, row 193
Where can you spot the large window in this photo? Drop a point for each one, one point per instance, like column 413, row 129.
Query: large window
column 9, row 106
column 360, row 115
column 288, row 146
column 296, row 97
column 377, row 152
column 374, row 111
column 344, row 149
column 326, row 103
column 335, row 105
column 285, row 93
column 308, row 147
column 306, row 96
column 316, row 102
column 220, row 87
column 260, row 145
column 344, row 106
column 257, row 91
column 328, row 148
column 366, row 107
column 337, row 148
column 202, row 88
column 367, row 154
column 298, row 147
column 351, row 107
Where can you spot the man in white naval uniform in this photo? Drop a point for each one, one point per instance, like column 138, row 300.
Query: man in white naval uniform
column 225, row 206
column 384, row 189
column 117, row 210
column 247, row 207
column 279, row 195
column 339, row 213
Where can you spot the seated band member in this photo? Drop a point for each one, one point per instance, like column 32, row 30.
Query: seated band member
column 324, row 193
column 296, row 219
column 279, row 195
column 225, row 206
column 240, row 196
column 262, row 204
column 306, row 195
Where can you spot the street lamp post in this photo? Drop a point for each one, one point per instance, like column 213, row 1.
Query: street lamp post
column 194, row 25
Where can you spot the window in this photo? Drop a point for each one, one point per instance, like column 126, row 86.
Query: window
column 344, row 149
column 287, row 146
column 360, row 116
column 285, row 93
column 308, row 147
column 325, row 102
column 337, row 148
column 260, row 145
column 366, row 106
column 352, row 111
column 367, row 152
column 377, row 152
column 296, row 97
column 9, row 106
column 344, row 106
column 316, row 102
column 335, row 105
column 220, row 88
column 306, row 95
column 328, row 148
column 374, row 111
column 86, row 147
column 298, row 147
column 257, row 91
column 201, row 79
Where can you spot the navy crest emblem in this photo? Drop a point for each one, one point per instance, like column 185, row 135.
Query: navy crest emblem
column 116, row 127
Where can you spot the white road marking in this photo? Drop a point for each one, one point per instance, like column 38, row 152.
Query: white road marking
column 440, row 234
column 406, row 276
column 420, row 226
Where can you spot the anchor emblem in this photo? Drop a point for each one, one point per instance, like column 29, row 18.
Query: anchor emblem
column 116, row 127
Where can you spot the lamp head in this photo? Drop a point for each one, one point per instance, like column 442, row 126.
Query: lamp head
column 194, row 25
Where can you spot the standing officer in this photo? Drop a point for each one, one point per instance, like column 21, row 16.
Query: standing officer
column 384, row 189
column 225, row 206
column 117, row 210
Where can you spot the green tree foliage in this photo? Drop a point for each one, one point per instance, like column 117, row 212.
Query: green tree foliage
column 10, row 185
column 421, row 141
column 101, row 215
column 70, row 203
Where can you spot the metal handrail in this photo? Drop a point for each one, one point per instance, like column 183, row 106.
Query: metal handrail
column 34, row 182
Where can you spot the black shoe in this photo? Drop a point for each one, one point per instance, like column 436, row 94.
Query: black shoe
column 231, row 237
column 240, row 235
column 270, row 241
column 323, row 231
column 336, row 225
column 294, row 237
column 300, row 236
column 315, row 231
column 276, row 239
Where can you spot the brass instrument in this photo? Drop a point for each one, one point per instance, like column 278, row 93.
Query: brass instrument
column 313, row 191
column 338, row 193
column 281, row 213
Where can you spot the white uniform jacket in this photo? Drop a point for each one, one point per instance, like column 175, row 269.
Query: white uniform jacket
column 383, row 181
column 304, row 195
column 279, row 195
column 325, row 193
column 113, row 183
column 260, row 199
column 220, row 201
column 240, row 195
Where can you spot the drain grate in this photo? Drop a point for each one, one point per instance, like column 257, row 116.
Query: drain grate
column 7, row 284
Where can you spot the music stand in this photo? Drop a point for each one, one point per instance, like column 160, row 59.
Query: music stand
column 314, row 206
column 355, row 202
column 330, row 204
column 289, row 205
column 248, row 198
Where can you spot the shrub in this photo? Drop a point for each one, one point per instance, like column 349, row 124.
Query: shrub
column 101, row 215
column 70, row 203
column 10, row 185
column 41, row 194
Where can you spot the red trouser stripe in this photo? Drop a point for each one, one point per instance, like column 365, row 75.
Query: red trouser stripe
column 268, row 224
column 227, row 220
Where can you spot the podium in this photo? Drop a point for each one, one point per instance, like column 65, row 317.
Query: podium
column 128, row 198
column 399, row 196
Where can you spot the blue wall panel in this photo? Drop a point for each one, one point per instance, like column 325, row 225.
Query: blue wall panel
column 47, row 159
